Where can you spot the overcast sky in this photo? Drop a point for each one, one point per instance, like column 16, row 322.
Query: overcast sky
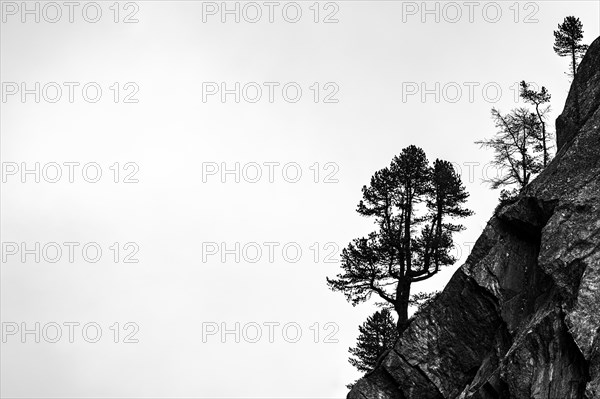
column 361, row 78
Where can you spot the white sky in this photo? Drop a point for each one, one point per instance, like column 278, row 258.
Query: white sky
column 370, row 54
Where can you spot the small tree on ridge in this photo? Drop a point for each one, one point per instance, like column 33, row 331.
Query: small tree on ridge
column 567, row 41
column 514, row 146
column 538, row 99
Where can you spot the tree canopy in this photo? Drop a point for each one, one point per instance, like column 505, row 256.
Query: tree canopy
column 538, row 99
column 515, row 150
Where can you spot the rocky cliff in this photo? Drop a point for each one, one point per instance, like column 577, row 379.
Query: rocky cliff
column 521, row 318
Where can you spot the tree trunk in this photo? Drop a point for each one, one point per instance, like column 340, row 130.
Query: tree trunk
column 524, row 166
column 573, row 58
column 438, row 235
column 401, row 306
column 537, row 110
column 407, row 235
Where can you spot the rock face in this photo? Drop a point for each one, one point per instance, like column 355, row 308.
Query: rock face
column 521, row 318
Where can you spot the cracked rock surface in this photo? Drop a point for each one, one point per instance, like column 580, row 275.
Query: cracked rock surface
column 521, row 318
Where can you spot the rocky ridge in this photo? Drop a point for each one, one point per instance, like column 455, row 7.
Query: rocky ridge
column 521, row 318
